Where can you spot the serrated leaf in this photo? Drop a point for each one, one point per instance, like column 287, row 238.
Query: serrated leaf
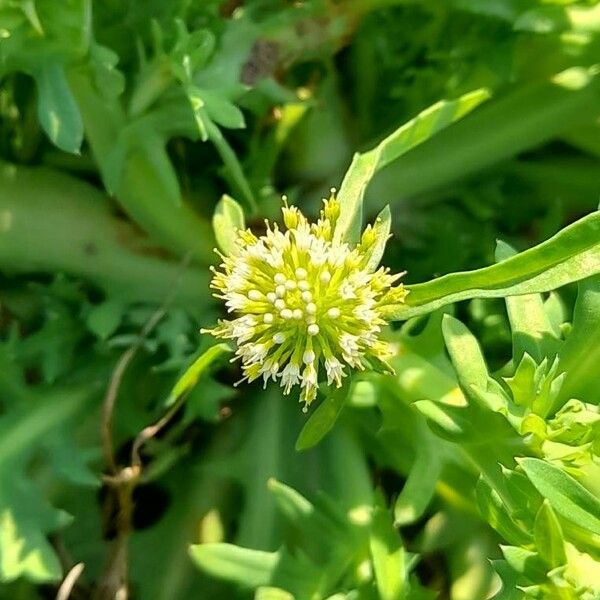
column 323, row 419
column 411, row 134
column 566, row 496
column 57, row 109
column 247, row 568
column 227, row 219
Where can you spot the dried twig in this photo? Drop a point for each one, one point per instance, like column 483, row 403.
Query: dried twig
column 66, row 587
column 123, row 480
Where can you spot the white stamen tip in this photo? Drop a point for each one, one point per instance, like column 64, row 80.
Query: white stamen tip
column 279, row 278
column 309, row 357
column 297, row 313
column 286, row 313
column 290, row 284
column 279, row 304
column 306, row 296
column 280, row 290
column 304, row 285
column 254, row 295
column 268, row 317
column 301, row 273
column 271, row 297
column 325, row 276
column 279, row 338
column 311, row 308
column 334, row 312
column 313, row 329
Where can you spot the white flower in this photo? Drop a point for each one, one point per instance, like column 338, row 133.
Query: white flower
column 306, row 304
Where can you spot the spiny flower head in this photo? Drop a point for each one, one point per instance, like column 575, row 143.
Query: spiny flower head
column 305, row 304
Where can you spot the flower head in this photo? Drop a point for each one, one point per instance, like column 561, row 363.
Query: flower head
column 305, row 304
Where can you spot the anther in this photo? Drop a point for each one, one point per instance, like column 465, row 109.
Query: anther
column 311, row 308
column 268, row 318
column 286, row 313
column 334, row 312
column 279, row 338
column 290, row 284
column 280, row 290
column 271, row 297
column 279, row 278
column 325, row 277
column 297, row 313
column 254, row 295
column 279, row 304
column 313, row 329
column 308, row 357
column 306, row 296
column 301, row 273
column 304, row 285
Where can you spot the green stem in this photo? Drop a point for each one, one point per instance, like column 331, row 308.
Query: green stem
column 53, row 223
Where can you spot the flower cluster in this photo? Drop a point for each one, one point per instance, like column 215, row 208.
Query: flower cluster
column 305, row 304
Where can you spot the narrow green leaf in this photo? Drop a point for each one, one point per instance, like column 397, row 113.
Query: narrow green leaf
column 548, row 537
column 247, row 568
column 566, row 496
column 419, row 488
column 465, row 353
column 57, row 109
column 227, row 219
column 381, row 233
column 389, row 557
column 272, row 593
column 532, row 331
column 323, row 419
column 193, row 373
column 572, row 254
column 411, row 134
column 495, row 513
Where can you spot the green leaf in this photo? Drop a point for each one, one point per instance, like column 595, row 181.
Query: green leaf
column 548, row 537
column 411, row 134
column 323, row 419
column 532, row 331
column 465, row 353
column 381, row 232
column 272, row 593
column 247, row 568
column 221, row 110
column 580, row 353
column 193, row 373
column 495, row 513
column 227, row 219
column 389, row 557
column 420, row 485
column 572, row 254
column 57, row 109
column 566, row 496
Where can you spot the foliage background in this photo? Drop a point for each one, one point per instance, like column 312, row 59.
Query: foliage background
column 121, row 126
